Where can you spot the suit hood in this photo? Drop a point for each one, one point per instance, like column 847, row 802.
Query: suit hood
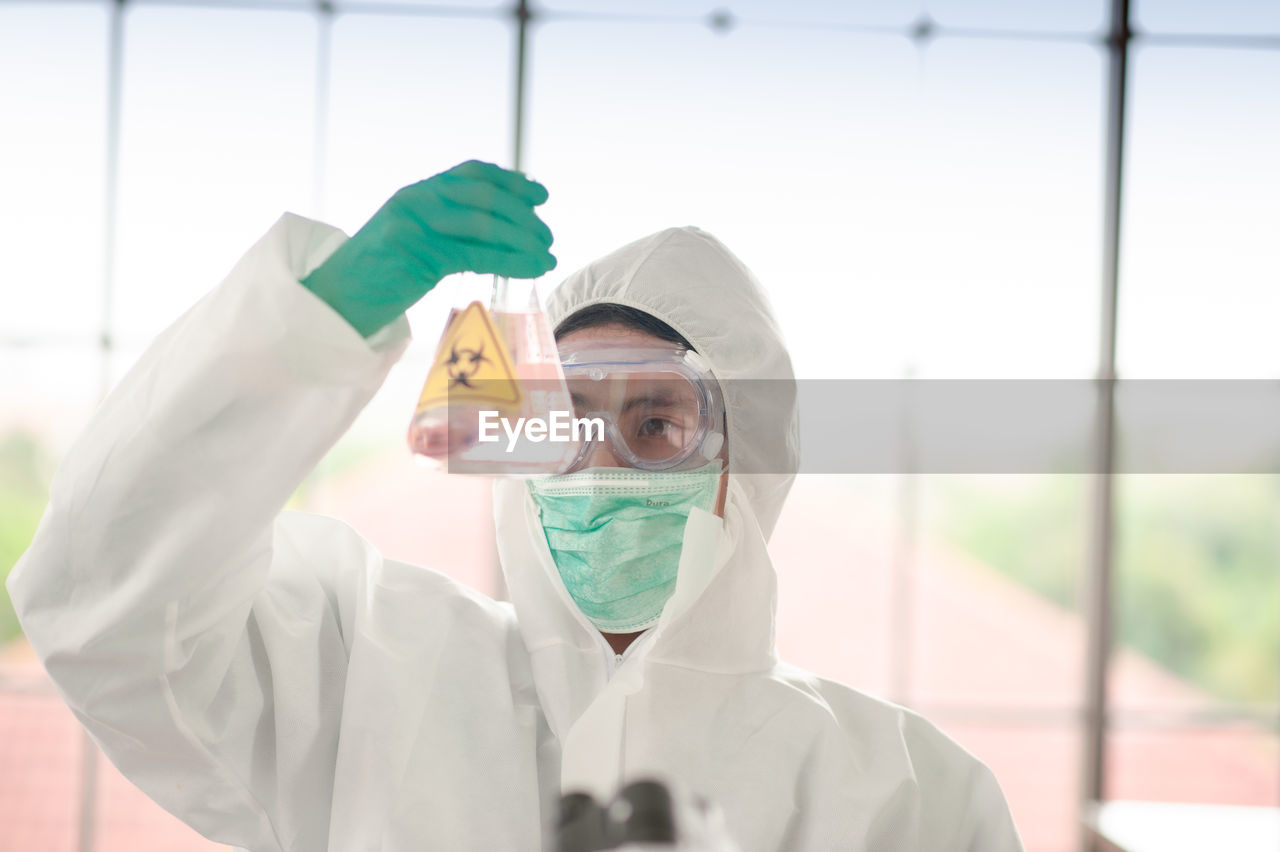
column 692, row 282
column 721, row 616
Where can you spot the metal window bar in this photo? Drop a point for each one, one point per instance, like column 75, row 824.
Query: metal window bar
column 1098, row 602
column 106, row 342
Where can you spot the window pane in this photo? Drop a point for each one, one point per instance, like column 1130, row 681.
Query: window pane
column 40, row 758
column 1082, row 16
column 409, row 98
column 1198, row 591
column 1233, row 765
column 50, row 390
column 1050, row 16
column 1201, row 259
column 392, row 122
column 216, row 143
column 847, row 593
column 1197, row 608
column 426, row 5
column 266, row 5
column 1197, row 626
column 931, row 213
column 857, row 12
column 995, row 582
column 1037, row 763
column 1222, row 16
column 53, row 100
column 1005, row 197
column 949, row 229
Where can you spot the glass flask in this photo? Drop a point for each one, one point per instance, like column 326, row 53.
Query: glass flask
column 495, row 375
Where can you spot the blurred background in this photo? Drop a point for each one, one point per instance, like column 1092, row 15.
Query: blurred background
column 941, row 189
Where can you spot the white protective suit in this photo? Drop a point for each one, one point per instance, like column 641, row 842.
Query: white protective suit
column 277, row 684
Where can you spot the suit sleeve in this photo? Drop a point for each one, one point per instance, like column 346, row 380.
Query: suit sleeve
column 990, row 824
column 961, row 805
column 198, row 639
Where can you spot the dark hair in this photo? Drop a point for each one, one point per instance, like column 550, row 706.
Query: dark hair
column 594, row 316
column 608, row 313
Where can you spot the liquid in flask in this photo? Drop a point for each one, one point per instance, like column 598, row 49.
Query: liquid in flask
column 492, row 366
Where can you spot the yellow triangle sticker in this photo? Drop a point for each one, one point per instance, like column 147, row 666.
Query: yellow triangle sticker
column 472, row 365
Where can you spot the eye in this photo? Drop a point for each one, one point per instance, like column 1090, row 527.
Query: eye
column 654, row 427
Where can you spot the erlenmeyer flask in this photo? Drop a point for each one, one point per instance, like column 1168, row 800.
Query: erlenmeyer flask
column 496, row 373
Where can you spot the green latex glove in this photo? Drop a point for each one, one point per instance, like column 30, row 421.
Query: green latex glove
column 475, row 217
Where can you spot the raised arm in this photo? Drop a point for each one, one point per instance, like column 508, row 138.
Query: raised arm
column 200, row 640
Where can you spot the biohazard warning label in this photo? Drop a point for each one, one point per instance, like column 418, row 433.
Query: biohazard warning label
column 472, row 365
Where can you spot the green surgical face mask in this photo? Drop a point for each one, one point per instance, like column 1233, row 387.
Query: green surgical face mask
column 616, row 534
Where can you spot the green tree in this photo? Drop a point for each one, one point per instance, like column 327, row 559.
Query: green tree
column 24, row 477
column 1197, row 565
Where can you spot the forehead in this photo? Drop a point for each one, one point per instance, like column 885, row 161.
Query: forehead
column 613, row 333
column 658, row 388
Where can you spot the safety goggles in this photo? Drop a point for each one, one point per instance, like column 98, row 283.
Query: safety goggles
column 657, row 407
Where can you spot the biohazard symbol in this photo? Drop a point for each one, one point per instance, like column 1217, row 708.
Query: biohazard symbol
column 472, row 365
column 463, row 365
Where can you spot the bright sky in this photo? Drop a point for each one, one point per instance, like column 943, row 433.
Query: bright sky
column 931, row 212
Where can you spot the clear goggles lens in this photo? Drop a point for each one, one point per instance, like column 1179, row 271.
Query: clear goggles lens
column 659, row 407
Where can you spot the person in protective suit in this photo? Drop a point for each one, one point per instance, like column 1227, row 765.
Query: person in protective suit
column 273, row 681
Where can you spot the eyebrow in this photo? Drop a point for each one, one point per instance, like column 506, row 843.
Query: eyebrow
column 658, row 399
column 653, row 399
